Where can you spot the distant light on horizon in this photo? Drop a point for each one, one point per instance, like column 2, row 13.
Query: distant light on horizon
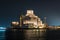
column 2, row 29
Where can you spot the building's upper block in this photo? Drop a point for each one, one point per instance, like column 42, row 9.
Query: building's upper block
column 30, row 12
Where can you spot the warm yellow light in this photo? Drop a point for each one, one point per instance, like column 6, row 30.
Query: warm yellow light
column 57, row 27
column 15, row 23
column 41, row 27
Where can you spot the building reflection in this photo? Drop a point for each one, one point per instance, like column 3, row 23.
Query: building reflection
column 36, row 34
column 26, row 34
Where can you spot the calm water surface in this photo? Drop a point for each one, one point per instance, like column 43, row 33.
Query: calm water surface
column 30, row 34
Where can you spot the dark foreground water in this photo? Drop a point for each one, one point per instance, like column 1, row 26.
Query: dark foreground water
column 30, row 34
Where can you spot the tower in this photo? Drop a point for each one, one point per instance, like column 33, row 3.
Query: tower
column 21, row 21
column 45, row 21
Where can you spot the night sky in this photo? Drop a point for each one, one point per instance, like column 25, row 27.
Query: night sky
column 11, row 10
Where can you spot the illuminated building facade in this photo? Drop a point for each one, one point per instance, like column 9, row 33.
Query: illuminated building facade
column 32, row 20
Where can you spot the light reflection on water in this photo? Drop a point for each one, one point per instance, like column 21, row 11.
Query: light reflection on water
column 30, row 34
column 35, row 34
column 2, row 35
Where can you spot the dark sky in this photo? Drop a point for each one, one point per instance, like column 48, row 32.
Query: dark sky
column 11, row 10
